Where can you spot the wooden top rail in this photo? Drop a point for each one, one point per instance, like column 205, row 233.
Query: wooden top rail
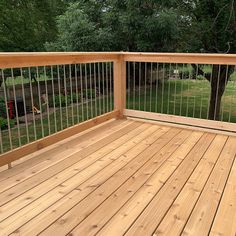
column 17, row 60
column 218, row 59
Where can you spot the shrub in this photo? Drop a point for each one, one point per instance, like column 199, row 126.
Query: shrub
column 2, row 107
column 4, row 124
column 73, row 98
column 90, row 93
column 184, row 74
column 200, row 77
column 187, row 73
column 61, row 99
column 233, row 77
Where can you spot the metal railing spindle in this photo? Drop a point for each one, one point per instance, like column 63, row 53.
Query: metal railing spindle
column 46, row 102
column 150, row 106
column 91, row 88
column 66, row 96
column 53, row 100
column 71, row 96
column 139, row 89
column 157, row 81
column 16, row 108
column 6, row 107
column 59, row 96
column 134, row 79
column 223, row 99
column 77, row 94
column 145, row 87
column 81, row 90
column 182, row 86
column 40, row 103
column 32, row 103
column 95, row 87
column 24, row 101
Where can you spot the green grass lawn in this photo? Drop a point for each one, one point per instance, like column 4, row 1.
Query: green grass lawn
column 182, row 97
column 178, row 97
column 56, row 121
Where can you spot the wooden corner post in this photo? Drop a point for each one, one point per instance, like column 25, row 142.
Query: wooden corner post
column 120, row 85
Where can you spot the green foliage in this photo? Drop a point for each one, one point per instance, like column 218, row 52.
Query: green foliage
column 192, row 26
column 117, row 25
column 2, row 107
column 72, row 98
column 200, row 77
column 184, row 74
column 233, row 77
column 3, row 115
column 4, row 124
column 210, row 26
column 62, row 100
column 59, row 100
column 25, row 25
column 76, row 32
column 90, row 93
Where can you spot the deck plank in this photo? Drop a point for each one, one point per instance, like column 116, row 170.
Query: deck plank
column 69, row 220
column 57, row 167
column 48, row 216
column 177, row 216
column 40, row 203
column 124, row 178
column 94, row 222
column 76, row 182
column 98, row 159
column 225, row 220
column 146, row 223
column 44, row 160
column 62, row 146
column 34, row 158
column 68, row 201
column 130, row 211
column 203, row 214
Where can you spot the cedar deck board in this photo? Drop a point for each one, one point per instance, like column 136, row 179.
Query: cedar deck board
column 141, row 160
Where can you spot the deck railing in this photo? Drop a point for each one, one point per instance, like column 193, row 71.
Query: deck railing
column 46, row 97
column 44, row 94
column 182, row 88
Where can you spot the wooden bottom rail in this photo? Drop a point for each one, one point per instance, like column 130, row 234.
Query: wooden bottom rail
column 180, row 120
column 20, row 152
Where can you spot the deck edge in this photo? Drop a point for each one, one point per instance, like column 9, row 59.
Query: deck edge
column 20, row 152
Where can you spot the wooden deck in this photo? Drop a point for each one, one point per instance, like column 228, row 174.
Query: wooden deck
column 124, row 178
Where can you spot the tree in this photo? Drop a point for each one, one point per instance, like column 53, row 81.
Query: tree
column 212, row 29
column 26, row 25
column 125, row 25
column 177, row 25
column 117, row 25
column 76, row 32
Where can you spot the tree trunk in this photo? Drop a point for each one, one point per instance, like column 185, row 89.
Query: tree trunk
column 215, row 104
column 219, row 80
